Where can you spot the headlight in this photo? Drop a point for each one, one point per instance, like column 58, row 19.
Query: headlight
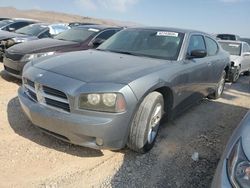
column 103, row 102
column 238, row 167
column 29, row 57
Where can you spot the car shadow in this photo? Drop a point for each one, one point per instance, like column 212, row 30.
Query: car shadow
column 23, row 127
column 204, row 128
column 9, row 78
column 242, row 84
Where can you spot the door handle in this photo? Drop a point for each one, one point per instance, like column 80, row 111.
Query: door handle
column 209, row 63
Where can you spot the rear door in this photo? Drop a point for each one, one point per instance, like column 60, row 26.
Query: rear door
column 215, row 62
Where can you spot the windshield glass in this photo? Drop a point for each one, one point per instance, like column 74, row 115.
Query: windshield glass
column 232, row 48
column 5, row 22
column 32, row 30
column 145, row 42
column 76, row 34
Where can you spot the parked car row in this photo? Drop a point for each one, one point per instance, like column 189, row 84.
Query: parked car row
column 77, row 38
column 18, row 30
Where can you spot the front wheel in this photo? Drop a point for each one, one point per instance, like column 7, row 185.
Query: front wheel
column 146, row 122
column 236, row 75
column 220, row 87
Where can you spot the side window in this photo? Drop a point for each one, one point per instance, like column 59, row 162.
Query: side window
column 44, row 34
column 212, row 47
column 246, row 48
column 196, row 43
column 106, row 34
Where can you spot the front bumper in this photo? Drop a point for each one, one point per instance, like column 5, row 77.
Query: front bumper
column 221, row 179
column 14, row 68
column 79, row 129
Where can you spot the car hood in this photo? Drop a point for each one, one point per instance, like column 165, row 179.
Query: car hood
column 42, row 45
column 26, row 37
column 97, row 66
column 8, row 35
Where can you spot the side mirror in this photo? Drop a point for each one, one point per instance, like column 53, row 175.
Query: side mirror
column 246, row 54
column 96, row 42
column 11, row 29
column 197, row 54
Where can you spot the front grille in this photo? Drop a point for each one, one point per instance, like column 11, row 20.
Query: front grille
column 31, row 94
column 13, row 56
column 54, row 92
column 13, row 71
column 30, row 83
column 57, row 104
column 46, row 95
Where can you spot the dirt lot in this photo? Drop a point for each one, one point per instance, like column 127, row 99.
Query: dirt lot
column 30, row 158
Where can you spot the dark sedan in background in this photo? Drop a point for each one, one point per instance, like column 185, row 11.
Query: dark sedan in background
column 12, row 25
column 77, row 38
column 234, row 167
column 28, row 33
column 117, row 95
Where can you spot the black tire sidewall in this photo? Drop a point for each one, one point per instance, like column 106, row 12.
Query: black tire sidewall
column 148, row 146
column 218, row 95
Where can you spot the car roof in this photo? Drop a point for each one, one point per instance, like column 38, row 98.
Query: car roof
column 99, row 27
column 170, row 29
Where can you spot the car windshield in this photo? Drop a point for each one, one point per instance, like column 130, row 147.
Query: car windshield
column 5, row 22
column 231, row 47
column 76, row 34
column 153, row 43
column 32, row 30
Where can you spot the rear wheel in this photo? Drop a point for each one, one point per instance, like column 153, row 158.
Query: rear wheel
column 146, row 122
column 220, row 87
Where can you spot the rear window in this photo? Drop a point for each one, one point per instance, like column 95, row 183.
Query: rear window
column 5, row 22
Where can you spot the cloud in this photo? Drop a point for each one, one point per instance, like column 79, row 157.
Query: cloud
column 115, row 5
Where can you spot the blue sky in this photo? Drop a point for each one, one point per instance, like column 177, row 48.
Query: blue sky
column 213, row 16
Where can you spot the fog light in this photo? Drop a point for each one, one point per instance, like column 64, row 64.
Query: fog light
column 99, row 141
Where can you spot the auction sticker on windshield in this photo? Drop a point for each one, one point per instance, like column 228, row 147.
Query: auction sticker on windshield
column 167, row 33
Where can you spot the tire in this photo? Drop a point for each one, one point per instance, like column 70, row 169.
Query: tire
column 144, row 129
column 236, row 75
column 220, row 87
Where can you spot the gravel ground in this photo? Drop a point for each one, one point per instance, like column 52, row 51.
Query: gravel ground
column 30, row 158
